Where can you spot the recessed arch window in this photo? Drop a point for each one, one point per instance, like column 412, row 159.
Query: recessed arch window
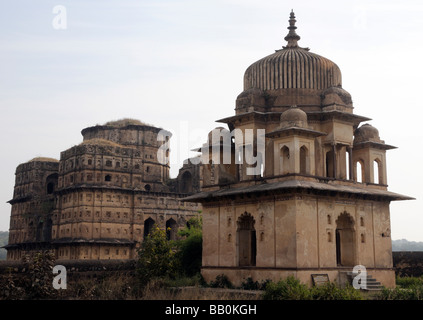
column 377, row 171
column 50, row 188
column 330, row 164
column 304, row 160
column 360, row 171
column 186, row 182
column 284, row 160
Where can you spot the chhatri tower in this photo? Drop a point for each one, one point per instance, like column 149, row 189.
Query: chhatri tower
column 319, row 202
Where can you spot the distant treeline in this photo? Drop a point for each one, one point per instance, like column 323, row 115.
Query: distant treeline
column 405, row 245
column 4, row 238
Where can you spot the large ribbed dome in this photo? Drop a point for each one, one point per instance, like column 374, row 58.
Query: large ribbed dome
column 292, row 67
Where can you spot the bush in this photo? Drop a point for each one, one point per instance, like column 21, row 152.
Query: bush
column 9, row 289
column 412, row 293
column 36, row 280
column 408, row 288
column 221, row 281
column 288, row 289
column 331, row 291
column 293, row 289
column 190, row 248
column 249, row 284
column 407, row 282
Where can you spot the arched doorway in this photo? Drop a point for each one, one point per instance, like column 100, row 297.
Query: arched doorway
column 246, row 240
column 345, row 240
column 171, row 229
column 51, row 183
column 148, row 227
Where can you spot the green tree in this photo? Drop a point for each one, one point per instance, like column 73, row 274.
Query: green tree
column 190, row 247
column 156, row 257
column 38, row 280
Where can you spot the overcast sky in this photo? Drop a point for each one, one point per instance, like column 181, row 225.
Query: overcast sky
column 179, row 65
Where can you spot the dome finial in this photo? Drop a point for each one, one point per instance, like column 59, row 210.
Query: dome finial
column 292, row 37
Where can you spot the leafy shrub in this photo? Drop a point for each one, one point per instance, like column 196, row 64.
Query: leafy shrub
column 190, row 247
column 331, row 291
column 156, row 257
column 407, row 282
column 412, row 293
column 293, row 289
column 250, row 284
column 38, row 282
column 287, row 289
column 9, row 289
column 35, row 281
column 221, row 281
column 408, row 288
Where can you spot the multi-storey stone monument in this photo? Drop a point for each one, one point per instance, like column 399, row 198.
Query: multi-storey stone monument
column 100, row 199
column 317, row 201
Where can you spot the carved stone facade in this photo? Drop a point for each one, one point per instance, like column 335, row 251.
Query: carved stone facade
column 100, row 200
column 318, row 202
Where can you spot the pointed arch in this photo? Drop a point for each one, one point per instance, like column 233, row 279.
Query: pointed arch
column 284, row 160
column 345, row 240
column 186, row 182
column 304, row 160
column 148, row 226
column 171, row 229
column 377, row 171
column 246, row 240
column 359, row 169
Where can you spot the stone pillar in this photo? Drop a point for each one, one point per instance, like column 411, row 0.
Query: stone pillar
column 350, row 164
column 334, row 160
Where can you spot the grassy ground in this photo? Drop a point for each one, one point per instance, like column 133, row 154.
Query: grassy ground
column 124, row 288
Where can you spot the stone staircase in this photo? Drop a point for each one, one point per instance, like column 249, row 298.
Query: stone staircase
column 371, row 283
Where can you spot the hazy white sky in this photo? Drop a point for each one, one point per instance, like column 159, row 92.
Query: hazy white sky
column 179, row 64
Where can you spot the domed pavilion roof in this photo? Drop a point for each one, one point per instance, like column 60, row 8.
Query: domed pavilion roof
column 292, row 67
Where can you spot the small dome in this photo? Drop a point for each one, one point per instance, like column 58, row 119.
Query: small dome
column 294, row 117
column 251, row 92
column 366, row 133
column 219, row 133
column 336, row 95
column 43, row 159
column 126, row 122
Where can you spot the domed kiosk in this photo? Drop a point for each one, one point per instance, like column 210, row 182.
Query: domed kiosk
column 305, row 212
column 292, row 67
column 291, row 75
